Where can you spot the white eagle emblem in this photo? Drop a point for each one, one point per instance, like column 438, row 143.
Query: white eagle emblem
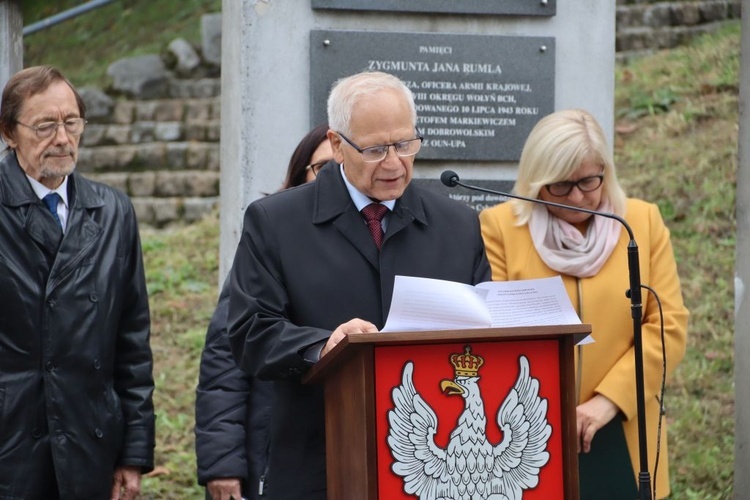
column 471, row 467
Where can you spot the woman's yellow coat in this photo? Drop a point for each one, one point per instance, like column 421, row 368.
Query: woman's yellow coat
column 608, row 365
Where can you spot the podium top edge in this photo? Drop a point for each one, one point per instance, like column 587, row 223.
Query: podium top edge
column 356, row 342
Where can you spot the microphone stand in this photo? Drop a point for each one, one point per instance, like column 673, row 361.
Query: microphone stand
column 451, row 179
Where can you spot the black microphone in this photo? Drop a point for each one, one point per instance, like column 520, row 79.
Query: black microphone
column 451, row 179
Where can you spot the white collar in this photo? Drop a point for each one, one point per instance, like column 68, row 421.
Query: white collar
column 361, row 200
column 41, row 190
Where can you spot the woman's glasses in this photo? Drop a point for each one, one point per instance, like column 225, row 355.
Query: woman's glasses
column 585, row 185
column 315, row 167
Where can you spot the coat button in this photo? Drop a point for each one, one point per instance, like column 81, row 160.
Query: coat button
column 97, row 365
column 49, row 366
column 52, row 303
column 98, row 433
column 93, row 297
column 36, row 433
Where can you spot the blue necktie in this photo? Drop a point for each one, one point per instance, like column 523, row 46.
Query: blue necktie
column 51, row 200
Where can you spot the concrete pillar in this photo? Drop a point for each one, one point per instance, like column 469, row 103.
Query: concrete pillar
column 742, row 275
column 11, row 39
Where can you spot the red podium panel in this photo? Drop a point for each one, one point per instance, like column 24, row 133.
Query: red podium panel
column 447, row 414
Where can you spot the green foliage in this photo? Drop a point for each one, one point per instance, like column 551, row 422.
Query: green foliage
column 84, row 46
column 181, row 273
column 658, row 101
column 710, row 65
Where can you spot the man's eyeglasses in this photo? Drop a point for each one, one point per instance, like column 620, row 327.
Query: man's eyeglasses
column 45, row 130
column 315, row 167
column 585, row 185
column 409, row 147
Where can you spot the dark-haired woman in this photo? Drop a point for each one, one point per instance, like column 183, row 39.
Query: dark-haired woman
column 232, row 408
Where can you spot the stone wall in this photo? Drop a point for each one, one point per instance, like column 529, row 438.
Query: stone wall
column 164, row 153
column 155, row 133
column 644, row 26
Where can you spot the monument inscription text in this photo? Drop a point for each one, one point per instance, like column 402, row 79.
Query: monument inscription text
column 477, row 96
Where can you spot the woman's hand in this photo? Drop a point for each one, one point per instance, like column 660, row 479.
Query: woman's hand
column 592, row 416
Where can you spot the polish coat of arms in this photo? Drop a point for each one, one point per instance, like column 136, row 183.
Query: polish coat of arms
column 470, row 467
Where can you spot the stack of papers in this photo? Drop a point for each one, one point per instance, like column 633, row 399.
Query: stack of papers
column 430, row 304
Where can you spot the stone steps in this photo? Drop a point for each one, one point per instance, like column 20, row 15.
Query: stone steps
column 150, row 131
column 169, row 156
column 648, row 26
column 163, row 153
column 161, row 198
column 160, row 212
column 637, row 41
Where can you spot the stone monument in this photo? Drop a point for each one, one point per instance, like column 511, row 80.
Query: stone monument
column 482, row 71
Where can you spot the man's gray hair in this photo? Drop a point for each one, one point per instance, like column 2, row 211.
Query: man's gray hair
column 347, row 91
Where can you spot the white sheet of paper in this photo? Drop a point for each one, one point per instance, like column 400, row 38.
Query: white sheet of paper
column 529, row 303
column 430, row 304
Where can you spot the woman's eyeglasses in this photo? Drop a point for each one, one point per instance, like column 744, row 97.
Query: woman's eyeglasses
column 585, row 185
column 315, row 167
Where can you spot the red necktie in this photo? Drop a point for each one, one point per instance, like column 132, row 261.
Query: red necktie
column 373, row 214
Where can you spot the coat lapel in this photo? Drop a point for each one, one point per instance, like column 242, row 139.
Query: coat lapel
column 409, row 209
column 82, row 231
column 43, row 229
column 333, row 204
column 17, row 193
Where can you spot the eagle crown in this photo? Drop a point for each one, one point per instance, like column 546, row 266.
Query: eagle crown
column 466, row 364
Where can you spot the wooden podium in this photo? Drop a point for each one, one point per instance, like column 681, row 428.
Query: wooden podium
column 362, row 374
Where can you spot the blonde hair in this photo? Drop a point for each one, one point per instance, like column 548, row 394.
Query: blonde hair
column 347, row 91
column 556, row 147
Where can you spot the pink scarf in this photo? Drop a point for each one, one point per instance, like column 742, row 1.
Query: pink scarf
column 563, row 248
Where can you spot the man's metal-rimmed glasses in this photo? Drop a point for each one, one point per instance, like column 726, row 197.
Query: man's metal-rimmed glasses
column 585, row 185
column 409, row 147
column 45, row 130
column 315, row 167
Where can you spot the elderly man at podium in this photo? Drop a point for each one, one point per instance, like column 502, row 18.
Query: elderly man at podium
column 317, row 263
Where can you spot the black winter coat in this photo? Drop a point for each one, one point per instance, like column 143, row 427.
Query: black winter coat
column 75, row 361
column 305, row 264
column 232, row 412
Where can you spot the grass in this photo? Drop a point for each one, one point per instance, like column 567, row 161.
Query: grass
column 683, row 156
column 181, row 273
column 87, row 44
column 676, row 145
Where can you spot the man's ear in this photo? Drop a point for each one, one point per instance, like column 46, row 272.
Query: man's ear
column 9, row 140
column 336, row 146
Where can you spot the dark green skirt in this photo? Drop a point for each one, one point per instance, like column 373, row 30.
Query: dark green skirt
column 605, row 472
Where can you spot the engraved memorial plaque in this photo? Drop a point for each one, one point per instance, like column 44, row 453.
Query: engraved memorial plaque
column 477, row 96
column 504, row 7
column 474, row 199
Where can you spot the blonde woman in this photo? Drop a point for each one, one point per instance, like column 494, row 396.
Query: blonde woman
column 566, row 160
